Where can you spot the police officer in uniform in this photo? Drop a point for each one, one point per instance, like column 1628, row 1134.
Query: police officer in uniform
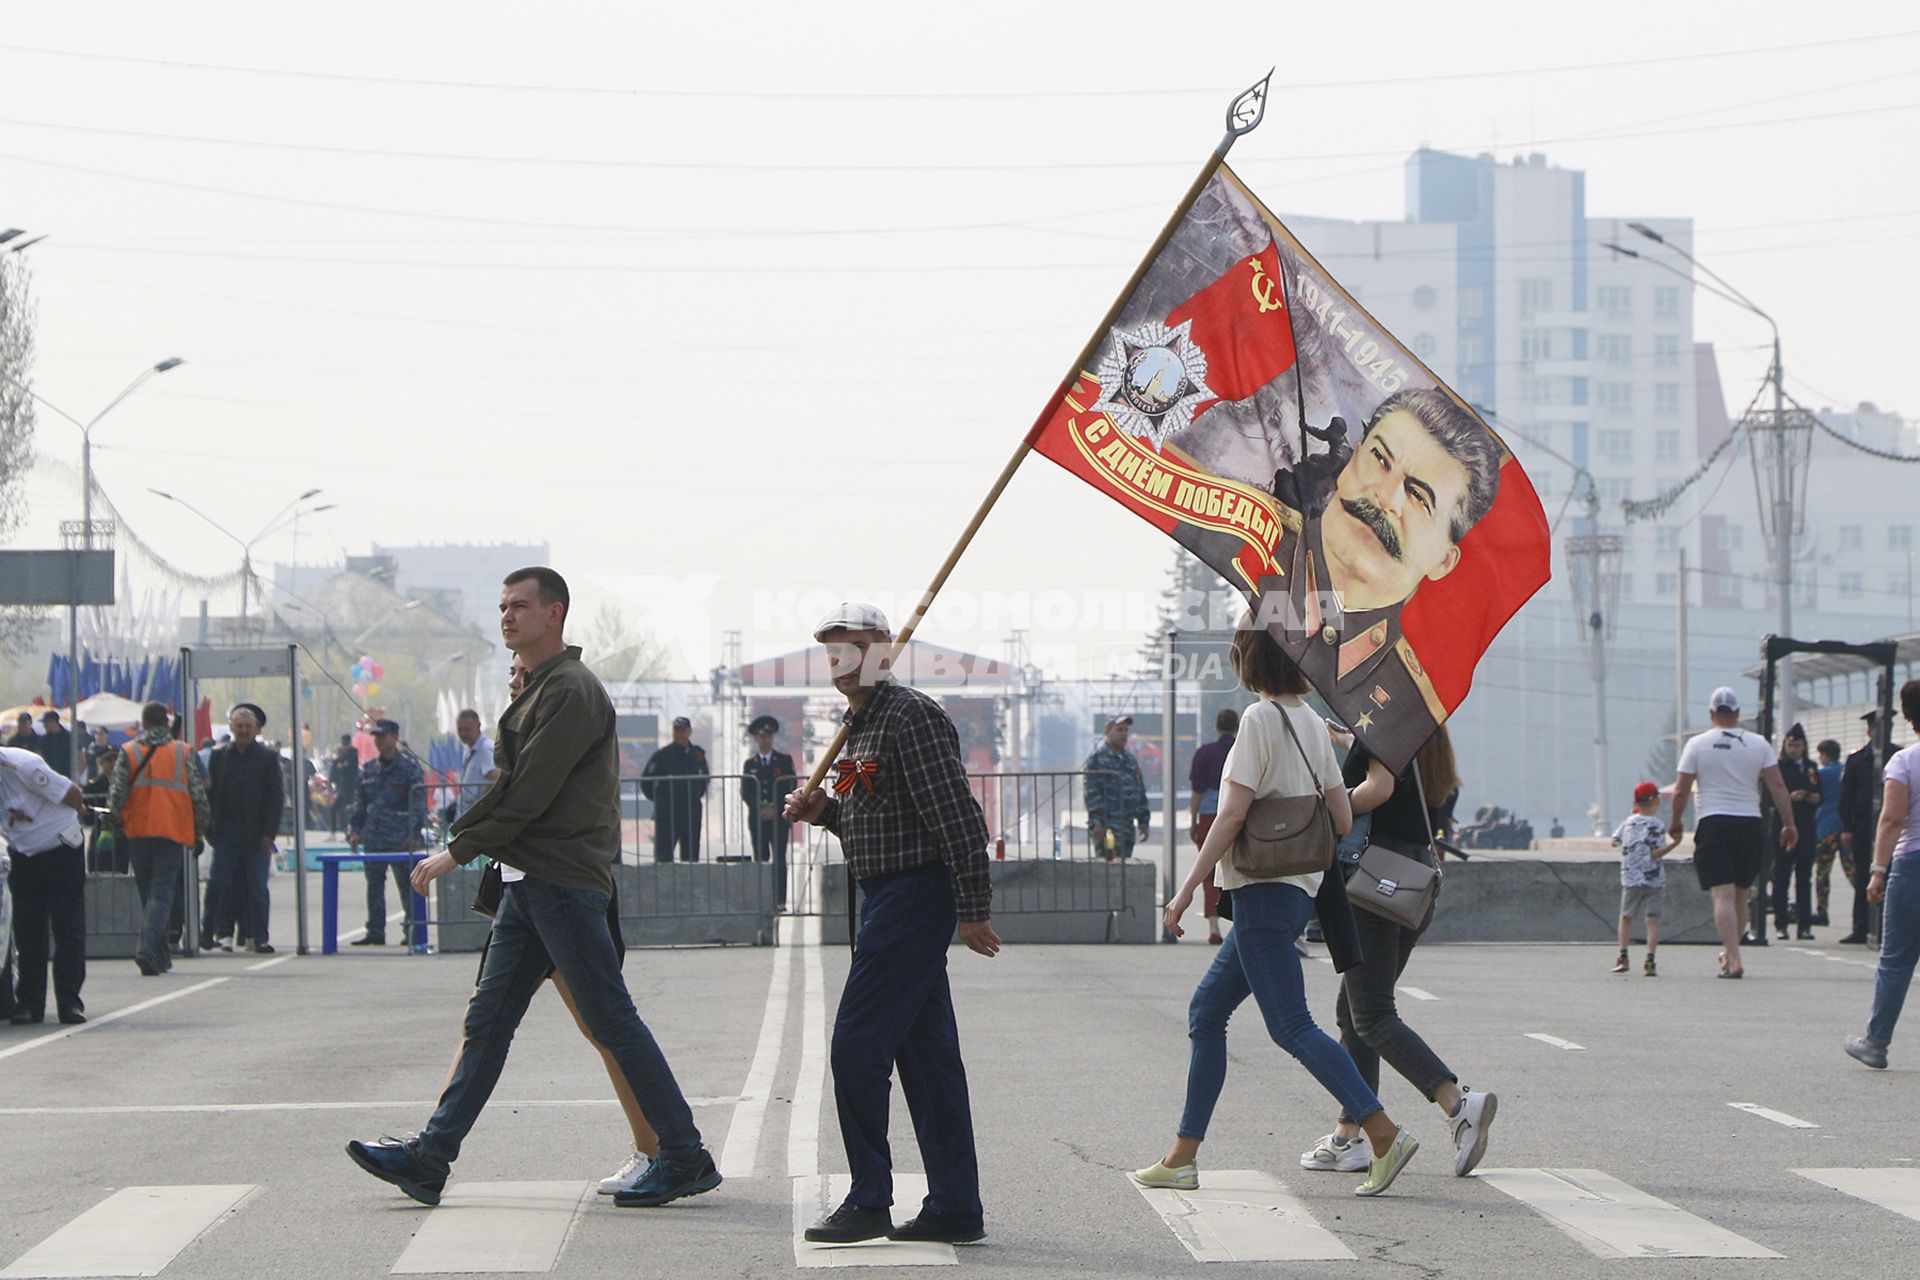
column 768, row 776
column 676, row 780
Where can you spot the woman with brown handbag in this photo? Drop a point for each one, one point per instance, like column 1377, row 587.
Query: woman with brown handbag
column 1280, row 804
column 1370, row 1024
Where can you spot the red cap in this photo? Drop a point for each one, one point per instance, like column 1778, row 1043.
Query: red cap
column 1646, row 791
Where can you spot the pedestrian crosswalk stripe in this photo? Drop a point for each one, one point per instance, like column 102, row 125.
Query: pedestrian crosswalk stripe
column 1768, row 1113
column 814, row 1197
column 1555, row 1041
column 1415, row 993
column 136, row 1231
column 1243, row 1215
column 1613, row 1220
column 495, row 1226
column 1896, row 1189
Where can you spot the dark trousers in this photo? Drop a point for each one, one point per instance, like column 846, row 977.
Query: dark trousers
column 50, row 902
column 156, row 874
column 256, row 865
column 1859, row 867
column 376, row 873
column 541, row 928
column 1370, row 1024
column 897, row 1011
column 676, row 823
column 223, row 913
column 770, row 837
column 1796, row 865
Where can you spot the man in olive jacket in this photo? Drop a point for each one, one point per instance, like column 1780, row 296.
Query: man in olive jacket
column 552, row 823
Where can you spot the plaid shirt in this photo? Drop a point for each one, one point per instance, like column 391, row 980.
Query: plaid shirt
column 909, row 804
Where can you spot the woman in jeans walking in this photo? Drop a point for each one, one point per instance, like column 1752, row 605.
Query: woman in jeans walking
column 1282, row 750
column 1370, row 1024
column 1895, row 881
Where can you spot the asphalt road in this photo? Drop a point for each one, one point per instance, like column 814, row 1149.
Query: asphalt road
column 255, row 1073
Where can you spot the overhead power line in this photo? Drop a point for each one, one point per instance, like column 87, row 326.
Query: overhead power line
column 937, row 95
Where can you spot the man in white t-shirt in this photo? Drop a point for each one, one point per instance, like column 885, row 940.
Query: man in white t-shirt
column 477, row 769
column 48, row 881
column 1729, row 764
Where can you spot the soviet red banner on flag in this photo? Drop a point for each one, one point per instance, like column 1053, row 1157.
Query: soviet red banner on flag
column 1244, row 404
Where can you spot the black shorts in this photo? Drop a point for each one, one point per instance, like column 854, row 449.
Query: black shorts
column 1726, row 850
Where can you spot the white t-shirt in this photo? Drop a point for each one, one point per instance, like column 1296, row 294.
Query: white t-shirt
column 1727, row 764
column 1264, row 760
column 29, row 787
column 1903, row 768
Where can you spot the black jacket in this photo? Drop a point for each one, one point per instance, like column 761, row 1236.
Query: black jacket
column 246, row 792
column 1858, row 788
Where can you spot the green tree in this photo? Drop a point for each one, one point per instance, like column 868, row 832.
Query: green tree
column 617, row 651
column 16, row 428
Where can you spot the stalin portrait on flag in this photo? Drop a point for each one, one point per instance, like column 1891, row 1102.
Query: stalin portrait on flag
column 1247, row 406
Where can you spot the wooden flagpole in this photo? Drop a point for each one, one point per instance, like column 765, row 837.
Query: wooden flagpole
column 1243, row 116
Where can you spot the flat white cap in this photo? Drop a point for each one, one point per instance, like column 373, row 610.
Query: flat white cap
column 852, row 615
column 1723, row 699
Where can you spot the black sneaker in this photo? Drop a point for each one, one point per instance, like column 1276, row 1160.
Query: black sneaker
column 368, row 942
column 935, row 1228
column 394, row 1160
column 261, row 948
column 1854, row 940
column 671, row 1178
column 850, row 1224
column 72, row 1017
column 147, row 967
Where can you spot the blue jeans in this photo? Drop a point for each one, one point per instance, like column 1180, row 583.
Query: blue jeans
column 256, row 865
column 542, row 927
column 897, row 1012
column 1899, row 947
column 1258, row 960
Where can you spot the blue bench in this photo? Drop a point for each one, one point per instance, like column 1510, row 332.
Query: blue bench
column 415, row 927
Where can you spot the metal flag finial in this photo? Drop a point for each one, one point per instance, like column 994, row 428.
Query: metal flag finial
column 1249, row 108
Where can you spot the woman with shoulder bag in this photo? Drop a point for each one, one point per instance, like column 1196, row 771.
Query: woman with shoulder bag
column 1281, row 803
column 1370, row 1024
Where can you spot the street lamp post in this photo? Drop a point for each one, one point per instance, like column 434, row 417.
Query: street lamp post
column 86, row 499
column 1779, row 444
column 245, row 544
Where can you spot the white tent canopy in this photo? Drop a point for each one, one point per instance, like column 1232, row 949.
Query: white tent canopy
column 109, row 711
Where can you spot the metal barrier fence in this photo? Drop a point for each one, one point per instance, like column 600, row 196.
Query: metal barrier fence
column 718, row 857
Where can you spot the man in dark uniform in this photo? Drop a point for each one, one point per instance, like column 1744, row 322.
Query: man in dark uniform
column 1424, row 474
column 676, row 780
column 767, row 777
column 389, row 811
column 1859, row 811
column 343, row 771
column 56, row 745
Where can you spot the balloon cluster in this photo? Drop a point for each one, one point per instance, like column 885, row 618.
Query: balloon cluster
column 367, row 675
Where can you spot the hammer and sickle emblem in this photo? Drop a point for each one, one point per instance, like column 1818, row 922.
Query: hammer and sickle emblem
column 1264, row 292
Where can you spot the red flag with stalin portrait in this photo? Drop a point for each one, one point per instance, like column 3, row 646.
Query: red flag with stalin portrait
column 1247, row 406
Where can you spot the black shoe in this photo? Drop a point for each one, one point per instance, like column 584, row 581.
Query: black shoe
column 368, row 942
column 147, row 967
column 667, row 1180
column 1820, row 919
column 934, row 1228
column 1805, row 934
column 850, row 1224
column 393, row 1160
column 71, row 1017
column 21, row 1018
column 1854, row 940
column 262, row 948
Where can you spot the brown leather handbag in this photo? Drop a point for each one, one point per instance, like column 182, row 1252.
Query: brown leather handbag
column 1286, row 835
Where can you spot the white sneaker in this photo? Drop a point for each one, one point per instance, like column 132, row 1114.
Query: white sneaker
column 631, row 1172
column 1470, row 1127
column 1330, row 1155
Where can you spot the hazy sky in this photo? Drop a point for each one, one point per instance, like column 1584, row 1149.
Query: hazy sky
column 730, row 301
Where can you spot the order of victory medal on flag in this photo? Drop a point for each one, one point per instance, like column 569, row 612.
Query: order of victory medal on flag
column 1244, row 404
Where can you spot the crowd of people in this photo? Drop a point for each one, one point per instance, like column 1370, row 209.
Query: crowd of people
column 1287, row 831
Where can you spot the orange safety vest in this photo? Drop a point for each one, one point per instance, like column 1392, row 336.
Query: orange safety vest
column 160, row 805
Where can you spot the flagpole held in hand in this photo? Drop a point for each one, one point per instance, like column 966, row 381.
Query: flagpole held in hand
column 1244, row 114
